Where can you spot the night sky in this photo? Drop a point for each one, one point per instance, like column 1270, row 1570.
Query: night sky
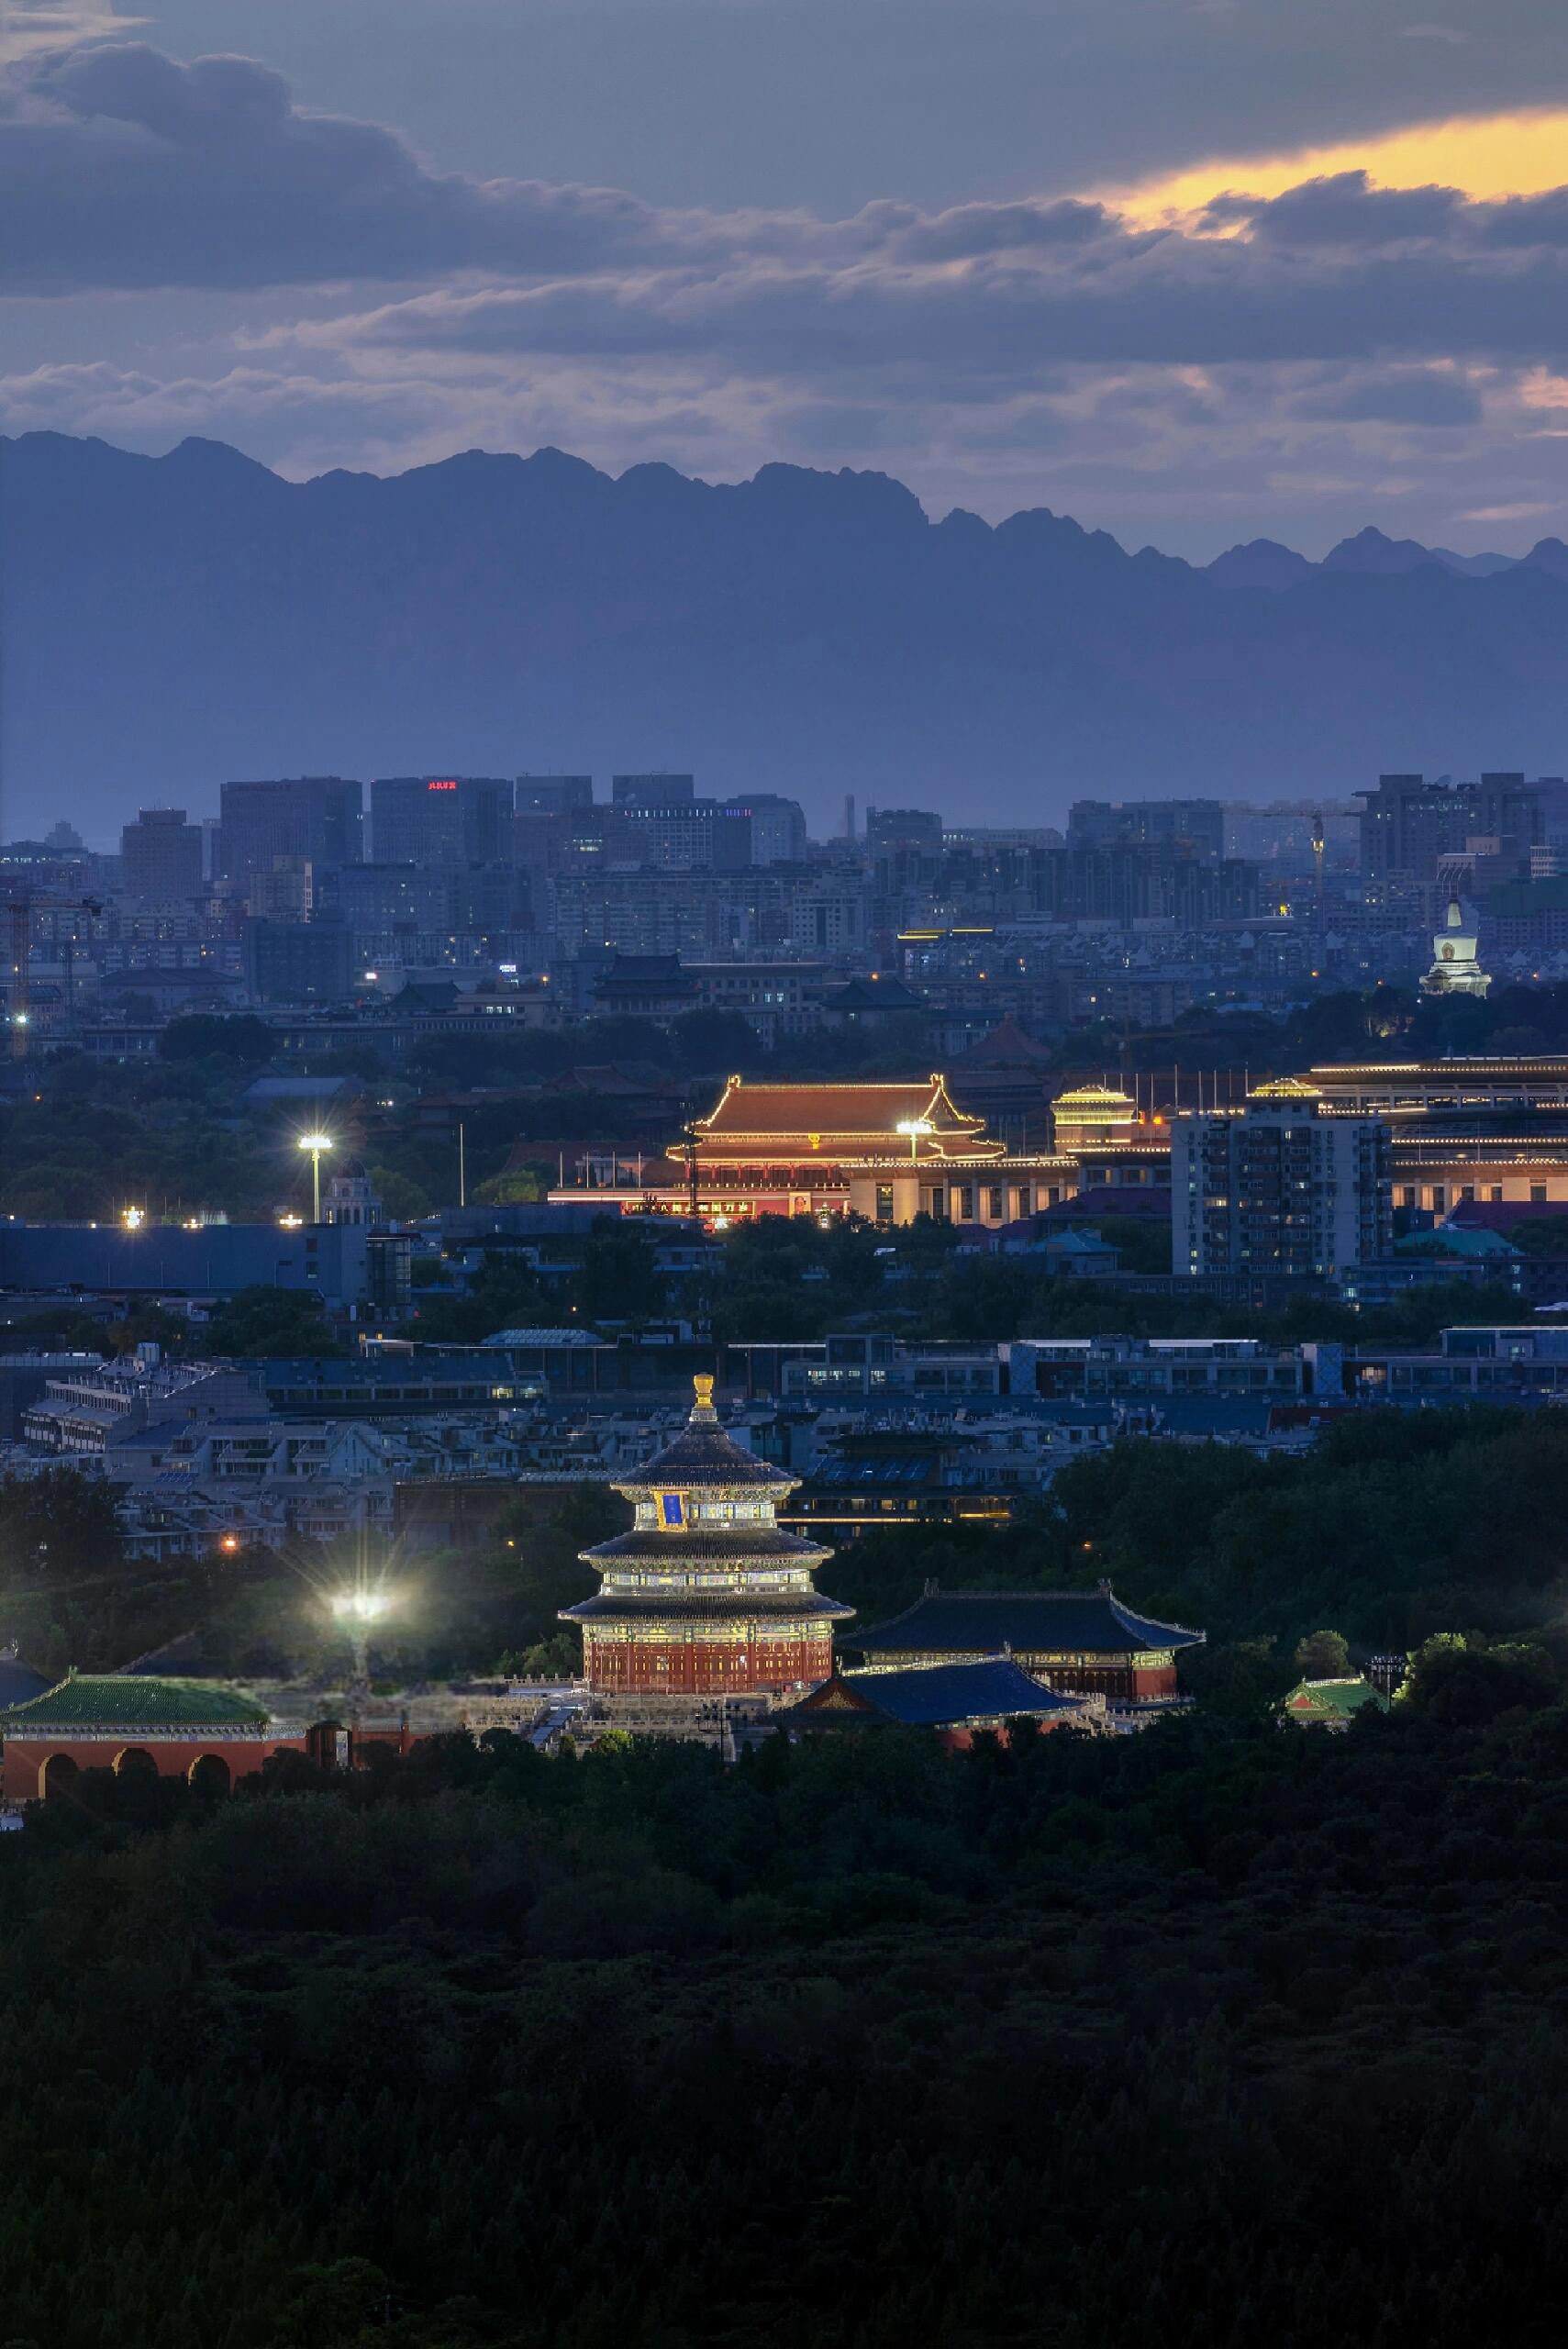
column 1191, row 272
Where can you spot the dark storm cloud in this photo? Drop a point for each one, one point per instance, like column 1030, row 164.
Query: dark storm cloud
column 1115, row 296
column 120, row 168
column 1345, row 210
column 835, row 102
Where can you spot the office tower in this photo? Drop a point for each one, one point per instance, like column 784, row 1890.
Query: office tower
column 1195, row 827
column 776, row 826
column 1279, row 1186
column 162, row 857
column 389, row 911
column 318, row 816
column 552, row 795
column 296, row 962
column 681, row 834
column 650, row 790
column 441, row 819
column 285, row 893
column 1408, row 825
column 903, row 848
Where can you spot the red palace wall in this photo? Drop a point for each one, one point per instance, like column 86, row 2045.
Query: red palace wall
column 1111, row 1680
column 1114, row 1680
column 21, row 1775
column 739, row 1667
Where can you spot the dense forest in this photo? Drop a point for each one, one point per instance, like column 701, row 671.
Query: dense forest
column 1214, row 2034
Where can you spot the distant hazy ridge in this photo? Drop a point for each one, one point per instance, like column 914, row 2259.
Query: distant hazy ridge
column 168, row 622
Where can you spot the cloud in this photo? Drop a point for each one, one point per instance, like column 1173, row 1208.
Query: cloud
column 1329, row 348
column 121, row 168
column 56, row 24
column 1323, row 273
column 1427, row 398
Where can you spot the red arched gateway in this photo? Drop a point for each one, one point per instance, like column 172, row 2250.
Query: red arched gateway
column 200, row 1730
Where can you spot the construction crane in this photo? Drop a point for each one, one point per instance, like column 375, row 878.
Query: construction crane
column 19, row 912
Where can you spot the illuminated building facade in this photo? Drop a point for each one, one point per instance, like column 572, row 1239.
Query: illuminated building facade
column 1488, row 1128
column 707, row 1596
column 1277, row 1187
column 1092, row 1117
column 886, row 1152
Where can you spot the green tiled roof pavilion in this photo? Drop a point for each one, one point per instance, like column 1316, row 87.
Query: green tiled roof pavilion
column 116, row 1700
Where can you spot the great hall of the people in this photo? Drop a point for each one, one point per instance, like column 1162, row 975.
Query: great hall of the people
column 1486, row 1130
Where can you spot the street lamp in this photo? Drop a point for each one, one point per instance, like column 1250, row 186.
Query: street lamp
column 316, row 1144
column 357, row 1609
column 915, row 1127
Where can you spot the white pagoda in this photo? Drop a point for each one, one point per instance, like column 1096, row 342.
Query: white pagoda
column 1455, row 970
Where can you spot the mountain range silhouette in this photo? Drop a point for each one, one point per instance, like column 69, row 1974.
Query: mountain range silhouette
column 168, row 622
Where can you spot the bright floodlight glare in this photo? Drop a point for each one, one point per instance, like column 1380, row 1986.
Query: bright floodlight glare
column 316, row 1141
column 132, row 1218
column 363, row 1606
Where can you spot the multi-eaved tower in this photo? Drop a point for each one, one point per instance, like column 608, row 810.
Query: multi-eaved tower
column 707, row 1596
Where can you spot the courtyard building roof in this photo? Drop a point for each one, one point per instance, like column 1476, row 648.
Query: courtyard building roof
column 132, row 1701
column 1040, row 1622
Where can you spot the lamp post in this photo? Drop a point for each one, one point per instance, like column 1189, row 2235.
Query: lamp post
column 316, row 1144
column 915, row 1127
column 357, row 1609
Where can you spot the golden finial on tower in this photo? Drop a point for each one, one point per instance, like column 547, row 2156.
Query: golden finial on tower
column 703, row 1381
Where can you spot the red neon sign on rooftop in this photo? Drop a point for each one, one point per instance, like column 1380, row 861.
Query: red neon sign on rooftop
column 450, row 783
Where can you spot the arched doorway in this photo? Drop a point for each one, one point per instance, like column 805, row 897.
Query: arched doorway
column 210, row 1775
column 135, row 1762
column 328, row 1743
column 56, row 1776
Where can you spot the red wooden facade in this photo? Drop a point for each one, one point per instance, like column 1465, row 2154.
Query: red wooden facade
column 739, row 1665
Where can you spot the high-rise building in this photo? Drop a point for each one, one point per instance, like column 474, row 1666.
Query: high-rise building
column 1121, row 881
column 318, row 816
column 285, row 893
column 444, row 820
column 903, row 848
column 650, row 790
column 388, row 909
column 776, row 826
column 1408, row 825
column 678, row 835
column 1195, row 825
column 162, row 857
column 1279, row 1186
column 552, row 793
column 296, row 962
